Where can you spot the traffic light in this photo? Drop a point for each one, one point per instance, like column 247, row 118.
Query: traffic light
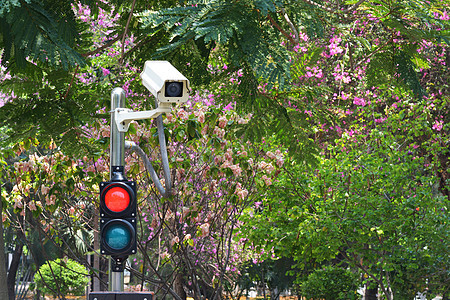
column 118, row 218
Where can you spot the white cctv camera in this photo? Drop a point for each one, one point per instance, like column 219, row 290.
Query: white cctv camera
column 165, row 82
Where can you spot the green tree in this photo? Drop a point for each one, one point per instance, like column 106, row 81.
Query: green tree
column 371, row 201
column 3, row 273
column 62, row 277
column 330, row 283
column 274, row 274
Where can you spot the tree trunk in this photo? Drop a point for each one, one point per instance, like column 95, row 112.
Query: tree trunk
column 100, row 264
column 14, row 266
column 371, row 293
column 104, row 269
column 178, row 286
column 274, row 294
column 3, row 282
column 96, row 263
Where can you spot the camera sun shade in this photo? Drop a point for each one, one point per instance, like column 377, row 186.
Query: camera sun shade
column 165, row 82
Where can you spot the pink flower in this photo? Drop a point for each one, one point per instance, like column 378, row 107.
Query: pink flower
column 241, row 193
column 229, row 155
column 222, row 121
column 236, row 170
column 266, row 166
column 280, row 162
column 106, row 72
column 335, row 49
column 228, row 107
column 44, row 189
column 267, row 180
column 219, row 132
column 303, row 36
column 359, row 101
column 32, row 206
column 174, row 241
column 243, row 153
column 438, row 125
column 165, row 255
column 204, row 230
column 270, row 155
column 182, row 114
column 381, row 120
column 346, row 79
column 187, row 237
column 201, row 117
column 50, row 200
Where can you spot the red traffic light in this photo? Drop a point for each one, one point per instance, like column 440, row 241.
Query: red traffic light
column 117, row 199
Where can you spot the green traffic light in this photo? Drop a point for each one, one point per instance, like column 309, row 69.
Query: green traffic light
column 117, row 236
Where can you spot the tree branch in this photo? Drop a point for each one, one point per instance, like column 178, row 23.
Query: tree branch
column 310, row 2
column 288, row 20
column 374, row 52
column 354, row 6
column 71, row 82
column 281, row 30
column 110, row 43
column 332, row 10
column 125, row 32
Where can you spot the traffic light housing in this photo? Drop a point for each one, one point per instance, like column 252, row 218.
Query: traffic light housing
column 118, row 218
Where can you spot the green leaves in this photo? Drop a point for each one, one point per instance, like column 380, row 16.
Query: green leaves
column 60, row 277
column 405, row 68
column 330, row 283
column 218, row 22
column 267, row 6
column 53, row 110
column 386, row 67
column 7, row 5
column 30, row 31
column 236, row 25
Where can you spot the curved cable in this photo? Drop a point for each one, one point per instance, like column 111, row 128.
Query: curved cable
column 164, row 158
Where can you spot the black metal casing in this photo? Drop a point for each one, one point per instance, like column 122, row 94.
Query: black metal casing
column 121, row 296
column 126, row 218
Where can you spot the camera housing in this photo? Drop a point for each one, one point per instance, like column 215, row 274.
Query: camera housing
column 165, row 82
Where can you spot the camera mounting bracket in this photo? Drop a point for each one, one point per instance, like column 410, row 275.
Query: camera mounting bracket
column 124, row 116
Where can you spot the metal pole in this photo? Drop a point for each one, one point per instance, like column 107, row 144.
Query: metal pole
column 117, row 156
column 116, row 276
column 117, row 281
column 117, row 163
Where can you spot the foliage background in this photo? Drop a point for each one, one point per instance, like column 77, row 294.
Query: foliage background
column 317, row 132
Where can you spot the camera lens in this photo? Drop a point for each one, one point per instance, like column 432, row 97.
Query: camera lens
column 174, row 89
